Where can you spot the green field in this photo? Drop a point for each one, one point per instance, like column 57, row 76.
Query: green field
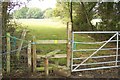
column 45, row 29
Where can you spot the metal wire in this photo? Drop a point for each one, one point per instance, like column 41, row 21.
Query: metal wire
column 13, row 50
column 2, row 36
column 18, row 39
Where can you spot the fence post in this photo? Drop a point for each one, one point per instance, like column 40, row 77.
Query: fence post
column 8, row 53
column 1, row 41
column 46, row 63
column 34, row 54
column 69, row 33
column 29, row 56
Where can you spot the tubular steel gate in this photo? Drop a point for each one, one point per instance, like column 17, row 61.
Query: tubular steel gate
column 90, row 54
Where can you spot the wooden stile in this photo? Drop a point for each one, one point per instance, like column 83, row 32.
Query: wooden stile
column 46, row 61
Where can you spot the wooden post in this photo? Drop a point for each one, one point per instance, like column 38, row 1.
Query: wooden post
column 46, row 62
column 34, row 55
column 8, row 53
column 20, row 44
column 1, row 41
column 69, row 33
column 29, row 56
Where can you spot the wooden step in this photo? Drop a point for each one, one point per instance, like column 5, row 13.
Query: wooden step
column 61, row 70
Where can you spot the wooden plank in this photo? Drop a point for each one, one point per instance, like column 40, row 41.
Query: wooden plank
column 21, row 43
column 29, row 56
column 59, row 56
column 8, row 53
column 69, row 33
column 40, row 56
column 34, row 55
column 51, row 41
column 55, row 56
column 50, row 54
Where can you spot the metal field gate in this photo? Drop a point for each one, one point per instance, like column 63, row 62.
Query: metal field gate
column 91, row 54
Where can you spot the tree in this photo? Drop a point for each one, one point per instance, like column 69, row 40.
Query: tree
column 26, row 12
column 83, row 13
column 21, row 13
column 34, row 13
column 48, row 13
column 109, row 13
column 62, row 11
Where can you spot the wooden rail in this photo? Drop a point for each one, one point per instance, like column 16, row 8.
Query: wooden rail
column 51, row 41
column 55, row 56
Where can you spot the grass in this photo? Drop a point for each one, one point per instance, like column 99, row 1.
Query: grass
column 45, row 29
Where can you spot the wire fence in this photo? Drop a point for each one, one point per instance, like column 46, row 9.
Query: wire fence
column 15, row 64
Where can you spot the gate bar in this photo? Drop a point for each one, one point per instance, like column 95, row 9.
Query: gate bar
column 91, row 32
column 80, row 50
column 97, row 63
column 94, row 42
column 72, row 51
column 96, row 68
column 117, row 47
column 96, row 57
